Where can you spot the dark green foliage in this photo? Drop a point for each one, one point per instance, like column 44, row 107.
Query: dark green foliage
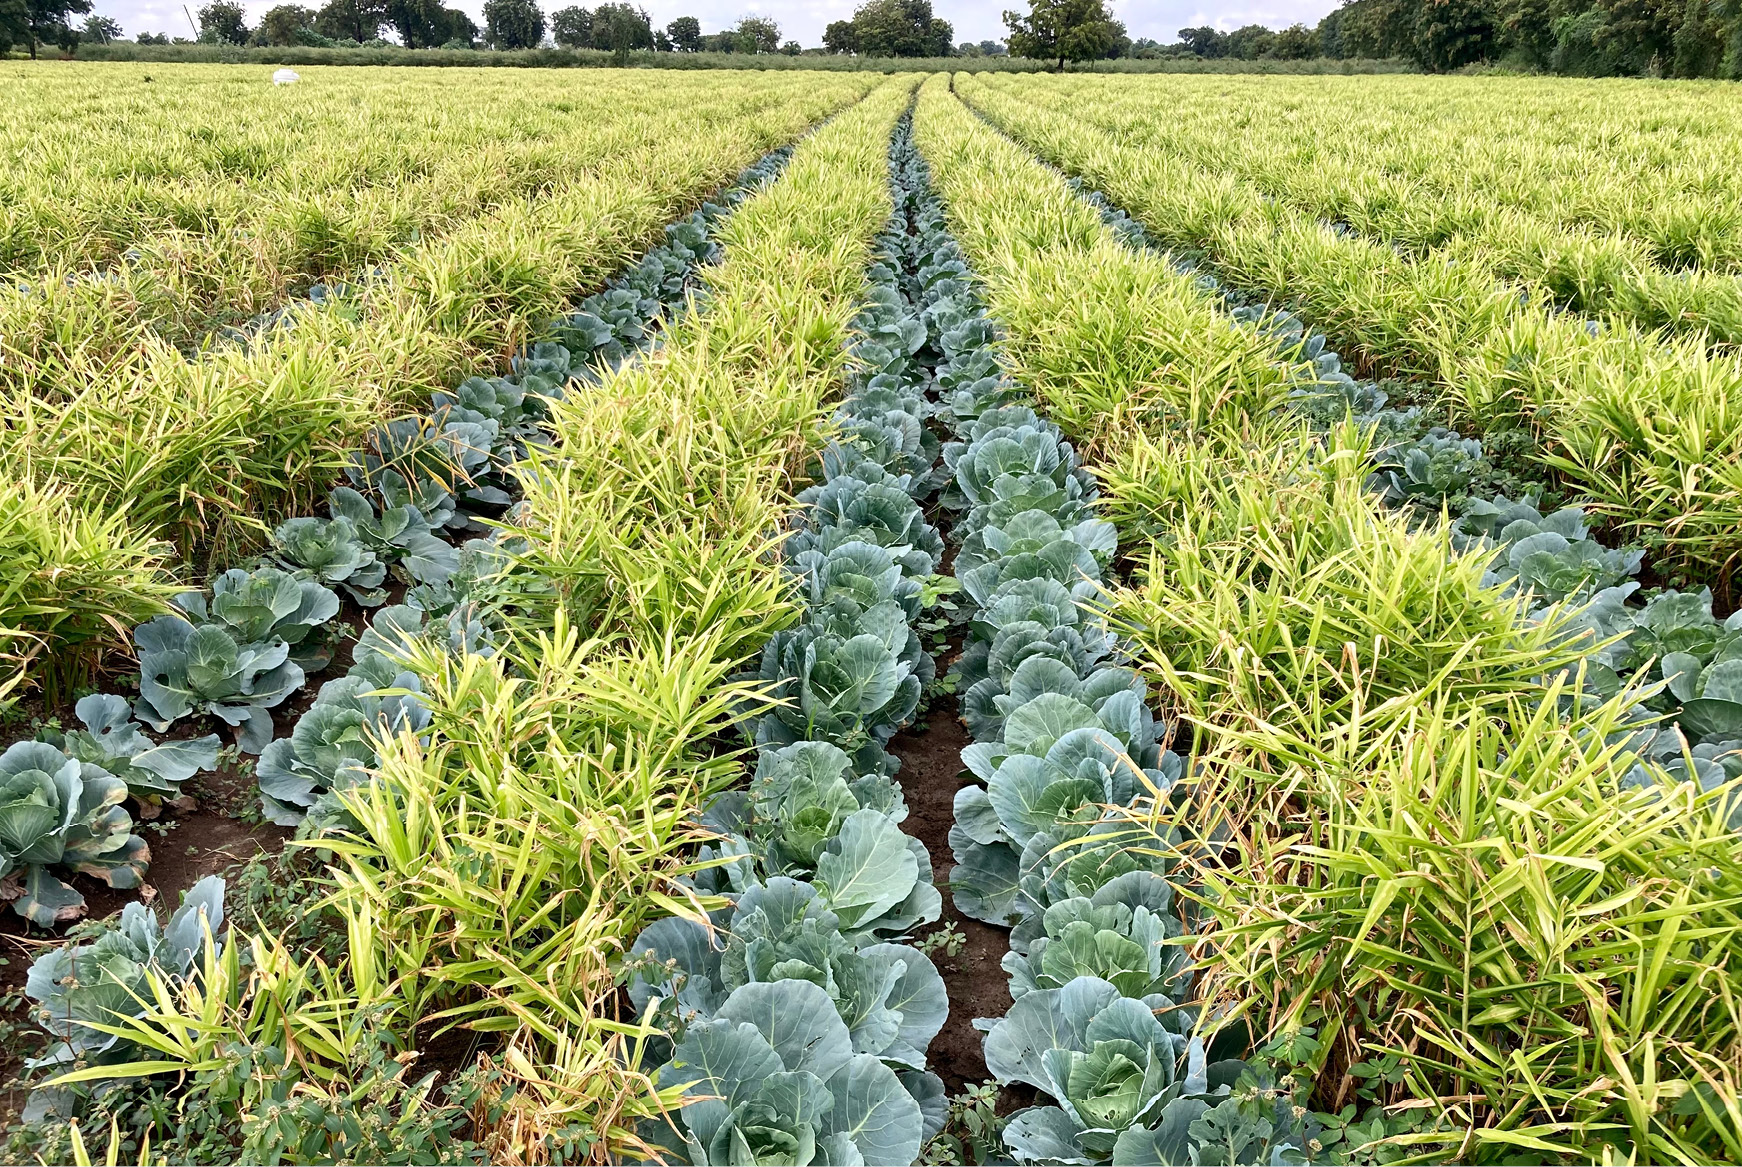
column 621, row 28
column 572, row 28
column 425, row 24
column 1064, row 30
column 222, row 22
column 513, row 24
column 1596, row 38
column 686, row 34
column 355, row 20
column 891, row 28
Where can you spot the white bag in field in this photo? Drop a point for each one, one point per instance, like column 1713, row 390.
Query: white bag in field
column 285, row 77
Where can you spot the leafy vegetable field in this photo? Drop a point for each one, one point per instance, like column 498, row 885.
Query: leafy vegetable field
column 837, row 619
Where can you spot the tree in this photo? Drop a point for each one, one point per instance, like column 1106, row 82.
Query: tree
column 424, row 24
column 101, row 29
column 621, row 28
column 351, row 20
column 1450, row 34
column 899, row 28
column 686, row 34
column 151, row 38
column 222, row 22
column 1069, row 30
column 839, row 38
column 34, row 21
column 1249, row 42
column 1525, row 30
column 1699, row 41
column 758, row 34
column 287, row 24
column 1204, row 41
column 1297, row 42
column 572, row 28
column 513, row 24
column 1638, row 34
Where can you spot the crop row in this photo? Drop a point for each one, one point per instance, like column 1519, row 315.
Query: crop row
column 1559, row 153
column 536, row 811
column 214, row 452
column 1642, row 428
column 192, row 227
column 1412, row 787
column 1599, row 267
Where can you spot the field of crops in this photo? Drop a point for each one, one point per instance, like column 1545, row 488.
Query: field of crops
column 822, row 618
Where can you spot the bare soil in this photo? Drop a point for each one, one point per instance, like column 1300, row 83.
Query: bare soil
column 931, row 766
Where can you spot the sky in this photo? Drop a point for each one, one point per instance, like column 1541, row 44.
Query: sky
column 804, row 20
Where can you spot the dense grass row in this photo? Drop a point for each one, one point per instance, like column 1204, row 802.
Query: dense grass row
column 507, row 849
column 1609, row 213
column 1460, row 907
column 1641, row 427
column 129, row 443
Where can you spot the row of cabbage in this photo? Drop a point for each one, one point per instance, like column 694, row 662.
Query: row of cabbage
column 423, row 483
column 1228, row 607
column 1646, row 232
column 1101, row 1022
column 1671, row 640
column 797, row 1018
column 147, row 468
column 1640, row 424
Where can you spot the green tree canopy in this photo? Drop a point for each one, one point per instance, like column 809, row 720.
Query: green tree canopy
column 900, row 28
column 686, row 34
column 101, row 29
column 222, row 22
column 572, row 28
column 287, row 24
column 1065, row 30
column 513, row 24
column 354, row 20
column 758, row 34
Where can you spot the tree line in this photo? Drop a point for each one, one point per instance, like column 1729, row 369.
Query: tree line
column 1666, row 38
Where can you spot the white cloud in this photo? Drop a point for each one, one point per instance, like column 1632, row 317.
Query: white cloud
column 804, row 20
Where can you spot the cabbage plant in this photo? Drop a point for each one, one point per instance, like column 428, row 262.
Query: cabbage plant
column 333, row 553
column 1117, row 934
column 77, row 987
column 331, row 748
column 1551, row 556
column 1111, row 1064
column 1433, row 472
column 1032, row 531
column 398, row 535
column 186, row 670
column 1006, row 832
column 266, row 606
column 875, row 878
column 890, row 996
column 839, row 687
column 1711, row 694
column 56, row 811
column 112, row 740
column 853, row 509
column 773, row 1079
column 798, row 799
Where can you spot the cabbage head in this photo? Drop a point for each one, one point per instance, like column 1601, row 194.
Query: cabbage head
column 78, row 986
column 1110, row 1063
column 1551, row 556
column 773, row 1079
column 333, row 553
column 112, row 741
column 331, row 747
column 185, row 670
column 890, row 996
column 59, row 812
